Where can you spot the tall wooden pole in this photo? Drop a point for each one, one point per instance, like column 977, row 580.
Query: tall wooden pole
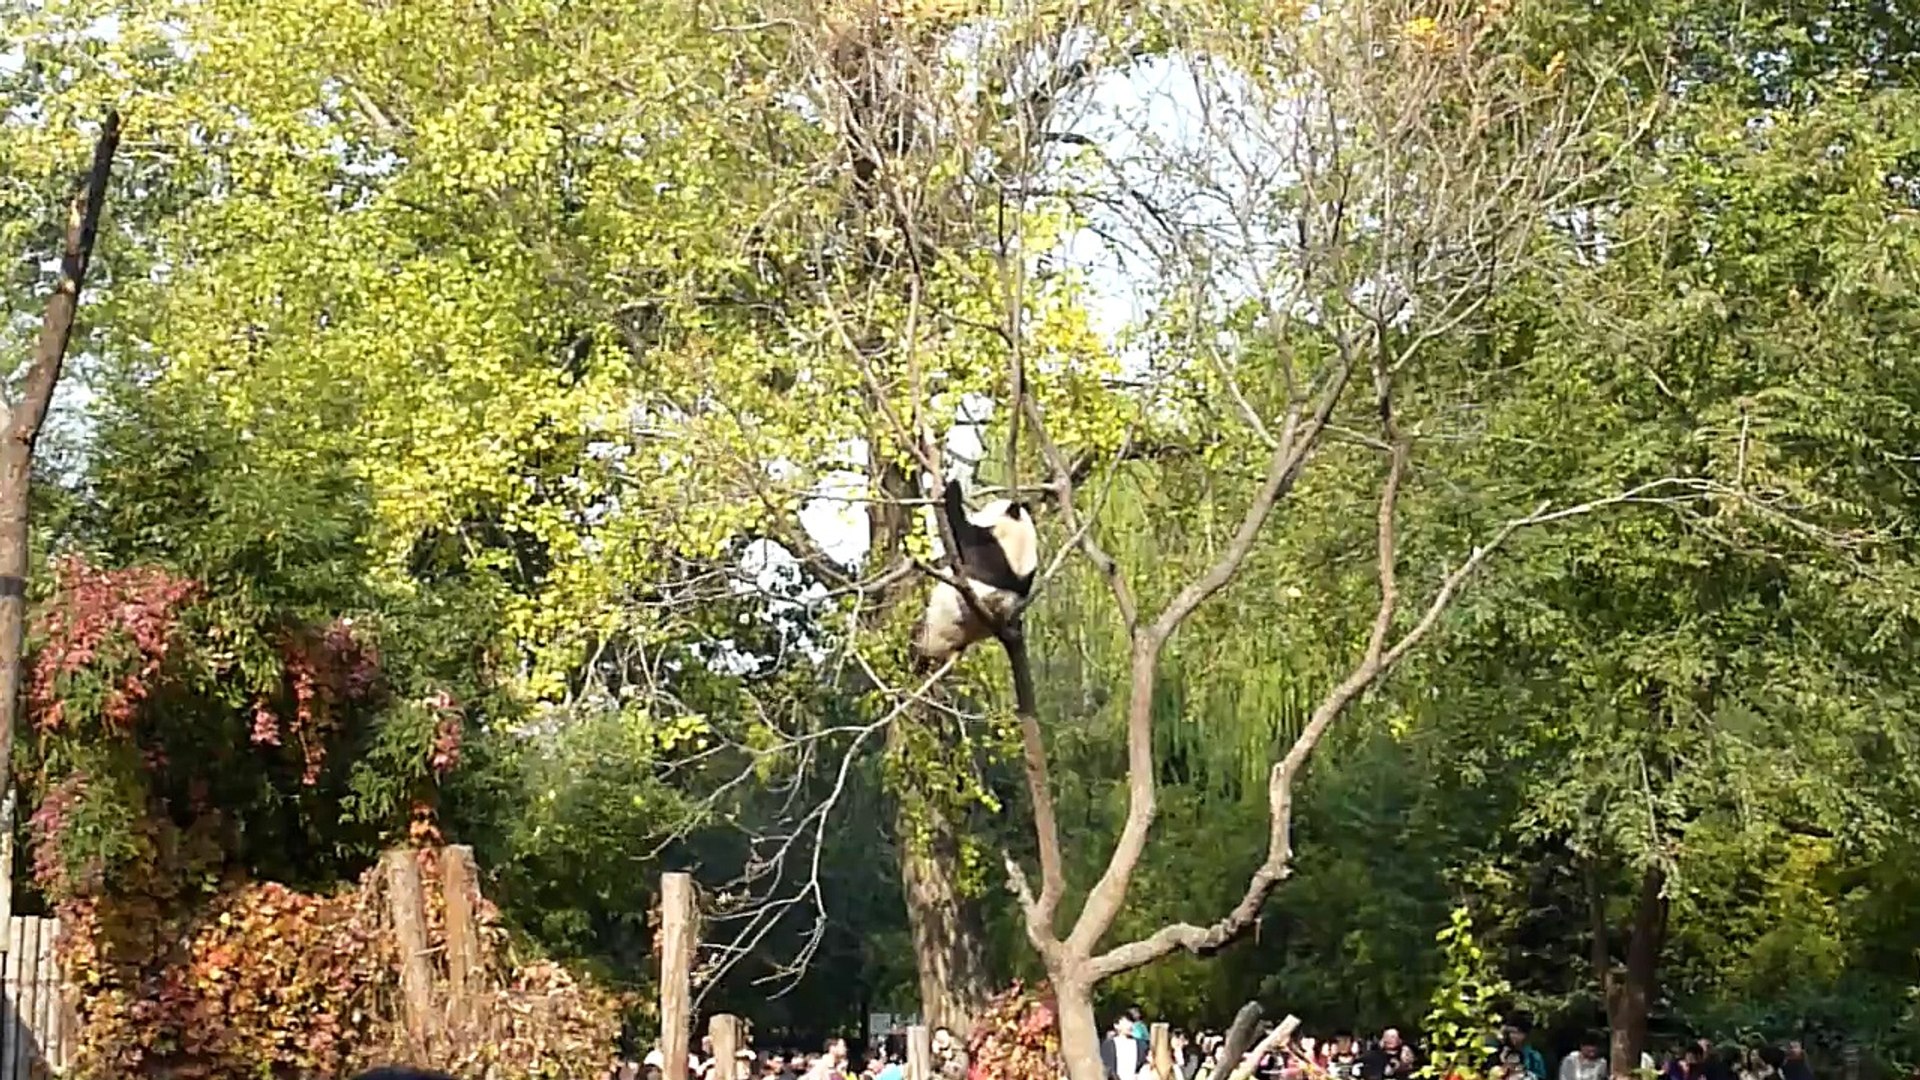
column 919, row 1052
column 407, row 906
column 18, row 431
column 678, row 939
column 1161, row 1054
column 724, row 1030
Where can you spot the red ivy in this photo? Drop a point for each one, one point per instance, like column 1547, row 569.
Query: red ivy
column 48, row 824
column 323, row 672
column 95, row 614
column 1016, row 1038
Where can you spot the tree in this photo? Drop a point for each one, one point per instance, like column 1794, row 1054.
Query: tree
column 1743, row 658
column 22, row 423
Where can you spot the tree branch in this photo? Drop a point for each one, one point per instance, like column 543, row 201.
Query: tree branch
column 1063, row 486
column 1374, row 665
column 1291, row 450
column 83, row 223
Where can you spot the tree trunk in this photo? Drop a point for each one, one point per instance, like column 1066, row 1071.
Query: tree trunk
column 16, row 463
column 948, row 953
column 21, row 428
column 1079, row 1031
column 1630, row 996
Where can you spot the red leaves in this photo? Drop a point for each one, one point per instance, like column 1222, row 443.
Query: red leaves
column 46, row 826
column 446, row 732
column 118, row 624
column 1016, row 1038
column 324, row 672
column 107, row 636
column 264, row 980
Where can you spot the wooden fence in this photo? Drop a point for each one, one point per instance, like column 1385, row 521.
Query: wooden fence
column 33, row 1023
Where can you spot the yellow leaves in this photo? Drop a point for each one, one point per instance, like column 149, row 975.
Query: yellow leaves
column 1424, row 28
column 1428, row 35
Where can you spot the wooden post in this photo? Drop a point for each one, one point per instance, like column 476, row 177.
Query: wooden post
column 459, row 883
column 14, row 1024
column 677, row 943
column 47, row 1003
column 406, row 906
column 919, row 1053
column 1161, row 1041
column 724, row 1030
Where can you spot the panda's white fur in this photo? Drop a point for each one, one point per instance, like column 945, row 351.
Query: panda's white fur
column 950, row 624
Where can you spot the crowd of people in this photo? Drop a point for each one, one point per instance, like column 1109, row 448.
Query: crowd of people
column 1125, row 1050
column 1511, row 1055
column 884, row 1061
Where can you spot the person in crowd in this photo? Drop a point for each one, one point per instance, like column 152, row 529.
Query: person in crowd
column 1716, row 1066
column 949, row 1057
column 1342, row 1056
column 1584, row 1063
column 832, row 1063
column 1689, row 1065
column 1795, row 1066
column 1120, row 1053
column 1517, row 1054
column 1755, row 1064
column 1385, row 1061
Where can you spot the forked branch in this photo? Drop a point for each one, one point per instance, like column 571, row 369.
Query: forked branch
column 1298, row 438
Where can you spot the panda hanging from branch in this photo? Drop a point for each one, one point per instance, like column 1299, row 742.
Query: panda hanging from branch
column 998, row 551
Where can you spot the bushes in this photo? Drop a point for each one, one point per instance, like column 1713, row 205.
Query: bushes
column 1017, row 1037
column 188, row 747
column 261, row 981
column 264, row 980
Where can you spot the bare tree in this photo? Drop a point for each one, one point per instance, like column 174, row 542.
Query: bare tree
column 1363, row 178
column 906, row 237
column 24, row 417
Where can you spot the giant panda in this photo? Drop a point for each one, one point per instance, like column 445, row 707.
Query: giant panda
column 999, row 551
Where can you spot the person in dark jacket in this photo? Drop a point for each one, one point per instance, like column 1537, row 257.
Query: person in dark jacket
column 1391, row 1060
column 1795, row 1066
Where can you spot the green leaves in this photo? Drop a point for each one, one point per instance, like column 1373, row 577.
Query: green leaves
column 1466, row 1002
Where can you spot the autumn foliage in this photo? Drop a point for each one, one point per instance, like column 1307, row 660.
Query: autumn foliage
column 106, row 635
column 179, row 749
column 1017, row 1037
